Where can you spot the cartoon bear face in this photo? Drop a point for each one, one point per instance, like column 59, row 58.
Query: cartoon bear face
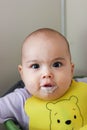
column 65, row 114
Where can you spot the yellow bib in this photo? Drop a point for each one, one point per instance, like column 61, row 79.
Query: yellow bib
column 66, row 113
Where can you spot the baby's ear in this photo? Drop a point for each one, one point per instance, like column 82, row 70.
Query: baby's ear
column 20, row 70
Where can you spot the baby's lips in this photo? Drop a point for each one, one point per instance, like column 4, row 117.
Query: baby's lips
column 48, row 85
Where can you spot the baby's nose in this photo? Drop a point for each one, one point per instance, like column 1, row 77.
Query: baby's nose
column 47, row 74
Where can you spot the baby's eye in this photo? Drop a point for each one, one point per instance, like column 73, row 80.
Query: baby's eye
column 57, row 64
column 35, row 66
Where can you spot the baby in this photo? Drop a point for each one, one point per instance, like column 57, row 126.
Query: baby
column 47, row 72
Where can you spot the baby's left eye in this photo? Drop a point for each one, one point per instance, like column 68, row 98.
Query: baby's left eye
column 57, row 64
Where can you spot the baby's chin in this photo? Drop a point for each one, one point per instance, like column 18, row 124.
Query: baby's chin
column 48, row 97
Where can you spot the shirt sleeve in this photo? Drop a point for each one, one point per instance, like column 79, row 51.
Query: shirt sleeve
column 84, row 79
column 12, row 106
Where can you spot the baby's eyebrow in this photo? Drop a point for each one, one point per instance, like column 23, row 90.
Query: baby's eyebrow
column 59, row 58
column 31, row 61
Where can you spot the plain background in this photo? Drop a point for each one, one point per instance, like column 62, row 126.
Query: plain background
column 76, row 32
column 18, row 18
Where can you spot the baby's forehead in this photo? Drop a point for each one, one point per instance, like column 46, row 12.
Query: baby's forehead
column 44, row 36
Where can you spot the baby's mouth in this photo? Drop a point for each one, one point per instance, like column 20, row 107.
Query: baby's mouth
column 48, row 88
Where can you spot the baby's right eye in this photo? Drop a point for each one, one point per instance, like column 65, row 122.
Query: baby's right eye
column 35, row 66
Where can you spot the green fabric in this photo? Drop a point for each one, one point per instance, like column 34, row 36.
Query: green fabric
column 10, row 125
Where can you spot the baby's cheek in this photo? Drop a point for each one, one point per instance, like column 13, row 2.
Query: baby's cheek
column 32, row 87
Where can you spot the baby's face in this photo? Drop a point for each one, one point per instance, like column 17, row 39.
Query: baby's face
column 46, row 67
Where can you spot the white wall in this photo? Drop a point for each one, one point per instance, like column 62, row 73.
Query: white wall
column 17, row 19
column 76, row 32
